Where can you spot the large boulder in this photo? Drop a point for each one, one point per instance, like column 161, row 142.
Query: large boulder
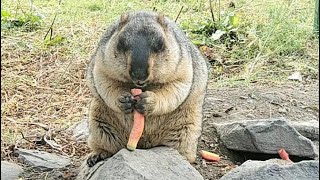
column 309, row 129
column 10, row 171
column 265, row 136
column 159, row 163
column 275, row 169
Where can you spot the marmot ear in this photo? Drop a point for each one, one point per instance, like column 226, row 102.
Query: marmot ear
column 123, row 20
column 161, row 20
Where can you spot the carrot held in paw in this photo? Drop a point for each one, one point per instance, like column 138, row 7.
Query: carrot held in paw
column 209, row 156
column 283, row 154
column 138, row 125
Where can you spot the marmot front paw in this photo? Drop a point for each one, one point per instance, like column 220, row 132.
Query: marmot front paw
column 146, row 103
column 126, row 103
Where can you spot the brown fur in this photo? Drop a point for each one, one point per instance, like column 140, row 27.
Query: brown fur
column 171, row 101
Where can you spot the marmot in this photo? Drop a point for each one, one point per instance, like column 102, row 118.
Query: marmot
column 146, row 50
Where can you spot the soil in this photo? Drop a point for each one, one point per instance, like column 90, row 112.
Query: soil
column 293, row 101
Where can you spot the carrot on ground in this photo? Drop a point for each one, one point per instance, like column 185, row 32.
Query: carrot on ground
column 209, row 156
column 138, row 125
column 283, row 154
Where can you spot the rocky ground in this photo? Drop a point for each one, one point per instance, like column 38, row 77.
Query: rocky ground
column 294, row 102
column 261, row 119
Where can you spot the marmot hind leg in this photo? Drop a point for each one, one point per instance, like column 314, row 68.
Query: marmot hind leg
column 96, row 156
column 188, row 144
column 184, row 136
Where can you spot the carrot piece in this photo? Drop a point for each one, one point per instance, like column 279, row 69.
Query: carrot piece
column 138, row 125
column 209, row 156
column 283, row 154
column 136, row 92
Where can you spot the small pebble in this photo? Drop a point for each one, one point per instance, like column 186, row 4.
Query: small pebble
column 282, row 110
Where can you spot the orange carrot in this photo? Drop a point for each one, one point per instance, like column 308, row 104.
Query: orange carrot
column 209, row 156
column 283, row 154
column 136, row 92
column 138, row 125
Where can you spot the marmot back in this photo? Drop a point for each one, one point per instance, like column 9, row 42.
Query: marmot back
column 146, row 50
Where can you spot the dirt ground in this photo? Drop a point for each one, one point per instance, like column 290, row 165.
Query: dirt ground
column 294, row 101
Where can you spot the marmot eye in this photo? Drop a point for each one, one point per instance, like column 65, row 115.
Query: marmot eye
column 122, row 45
column 158, row 46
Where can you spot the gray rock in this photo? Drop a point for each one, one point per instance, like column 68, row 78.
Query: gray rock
column 80, row 130
column 316, row 143
column 273, row 98
column 54, row 175
column 265, row 136
column 275, row 169
column 10, row 171
column 309, row 129
column 41, row 160
column 159, row 163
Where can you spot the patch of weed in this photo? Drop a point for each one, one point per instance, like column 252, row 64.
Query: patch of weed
column 27, row 21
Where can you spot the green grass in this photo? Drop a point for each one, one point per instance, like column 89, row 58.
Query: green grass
column 43, row 79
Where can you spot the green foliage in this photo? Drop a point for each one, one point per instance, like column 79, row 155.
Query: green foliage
column 283, row 35
column 254, row 40
column 54, row 41
column 224, row 31
column 27, row 21
column 94, row 7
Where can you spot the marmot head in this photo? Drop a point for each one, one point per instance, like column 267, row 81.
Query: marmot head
column 148, row 48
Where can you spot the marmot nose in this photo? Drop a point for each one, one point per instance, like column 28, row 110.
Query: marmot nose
column 139, row 75
column 140, row 83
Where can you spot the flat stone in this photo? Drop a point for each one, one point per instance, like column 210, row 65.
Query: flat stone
column 54, row 175
column 295, row 76
column 80, row 130
column 309, row 129
column 274, row 169
column 159, row 163
column 10, row 171
column 41, row 160
column 265, row 136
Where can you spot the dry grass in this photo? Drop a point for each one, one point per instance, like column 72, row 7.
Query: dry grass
column 40, row 86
